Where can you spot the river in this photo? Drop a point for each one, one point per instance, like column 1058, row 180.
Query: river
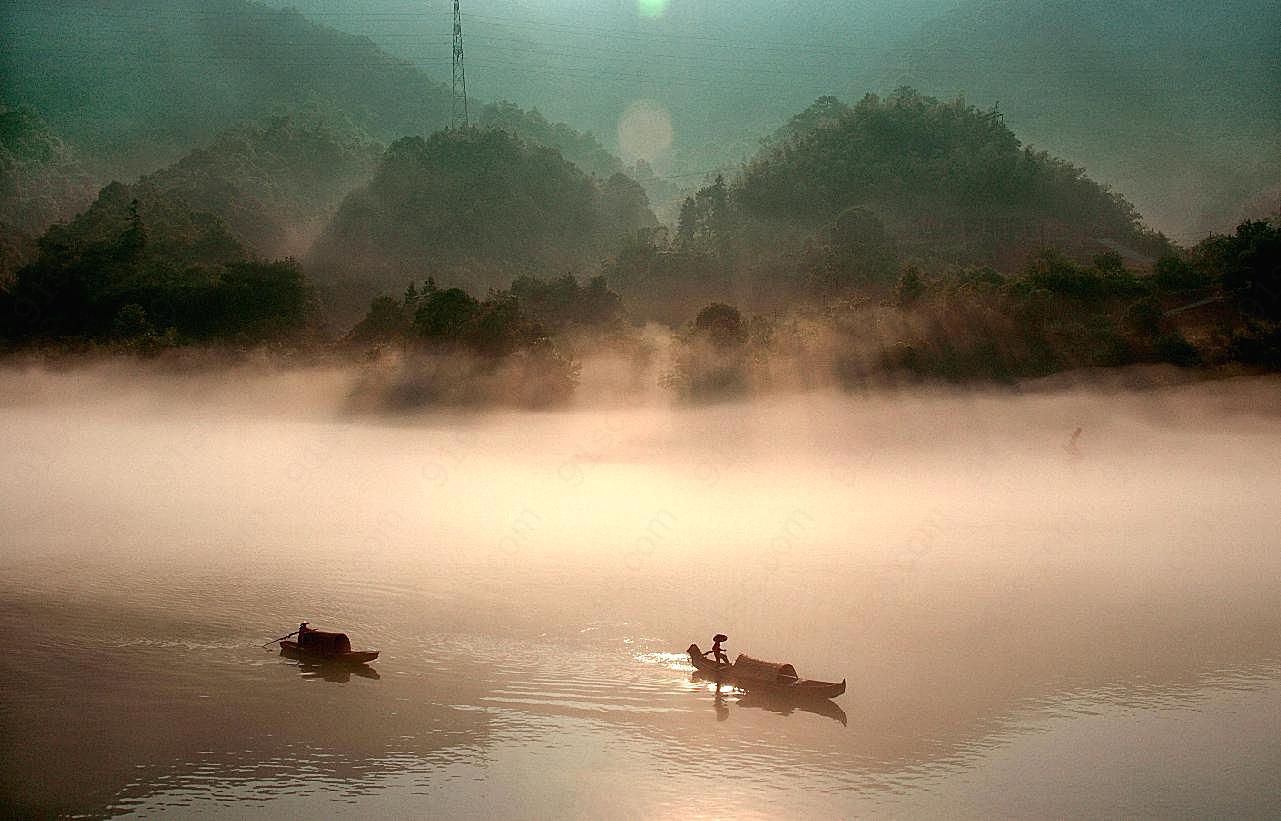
column 1045, row 603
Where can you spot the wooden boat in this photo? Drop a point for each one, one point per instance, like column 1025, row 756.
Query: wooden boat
column 755, row 675
column 327, row 648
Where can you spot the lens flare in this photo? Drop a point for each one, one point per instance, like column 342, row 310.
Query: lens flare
column 651, row 8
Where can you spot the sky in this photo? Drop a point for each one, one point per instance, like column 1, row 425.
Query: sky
column 1173, row 104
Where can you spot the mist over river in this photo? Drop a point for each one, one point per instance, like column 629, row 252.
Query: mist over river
column 1045, row 602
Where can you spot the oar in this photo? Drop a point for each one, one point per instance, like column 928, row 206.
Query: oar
column 282, row 638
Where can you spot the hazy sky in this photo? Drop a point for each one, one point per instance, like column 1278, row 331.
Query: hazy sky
column 1173, row 103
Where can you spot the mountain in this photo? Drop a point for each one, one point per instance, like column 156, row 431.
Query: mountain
column 840, row 200
column 582, row 149
column 475, row 207
column 936, row 172
column 1173, row 103
column 274, row 186
column 41, row 181
column 133, row 85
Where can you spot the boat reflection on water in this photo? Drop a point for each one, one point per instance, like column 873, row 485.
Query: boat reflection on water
column 783, row 706
column 765, row 701
column 337, row 673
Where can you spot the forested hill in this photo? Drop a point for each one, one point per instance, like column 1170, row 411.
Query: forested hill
column 41, row 181
column 476, row 206
column 135, row 84
column 1175, row 103
column 274, row 186
column 950, row 184
column 582, row 149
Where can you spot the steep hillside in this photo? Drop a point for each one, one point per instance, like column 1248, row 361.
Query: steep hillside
column 933, row 165
column 142, row 270
column 478, row 207
column 274, row 186
column 843, row 198
column 583, row 150
column 40, row 181
column 135, row 85
column 1173, row 103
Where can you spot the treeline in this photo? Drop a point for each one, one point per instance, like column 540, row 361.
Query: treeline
column 450, row 348
column 126, row 275
column 1215, row 306
column 811, row 268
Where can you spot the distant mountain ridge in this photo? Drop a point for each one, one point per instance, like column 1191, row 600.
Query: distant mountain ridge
column 135, row 85
column 1175, row 103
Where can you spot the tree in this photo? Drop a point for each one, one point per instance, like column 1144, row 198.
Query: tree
column 445, row 316
column 1248, row 264
column 909, row 287
column 720, row 324
column 705, row 219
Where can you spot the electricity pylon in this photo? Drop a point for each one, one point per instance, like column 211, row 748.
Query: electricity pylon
column 461, row 119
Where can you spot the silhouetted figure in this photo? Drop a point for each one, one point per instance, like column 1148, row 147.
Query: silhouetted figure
column 717, row 654
column 303, row 630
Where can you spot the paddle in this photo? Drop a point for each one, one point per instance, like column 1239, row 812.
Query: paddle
column 282, row 638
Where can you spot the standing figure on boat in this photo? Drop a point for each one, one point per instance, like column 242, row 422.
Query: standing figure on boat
column 717, row 653
column 303, row 630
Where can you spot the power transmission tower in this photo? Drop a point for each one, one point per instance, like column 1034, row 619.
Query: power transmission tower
column 461, row 119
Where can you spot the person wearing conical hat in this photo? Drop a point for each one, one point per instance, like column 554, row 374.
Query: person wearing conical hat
column 717, row 653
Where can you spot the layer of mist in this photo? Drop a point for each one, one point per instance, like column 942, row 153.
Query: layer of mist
column 989, row 570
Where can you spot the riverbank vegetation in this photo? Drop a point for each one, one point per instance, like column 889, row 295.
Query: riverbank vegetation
column 899, row 240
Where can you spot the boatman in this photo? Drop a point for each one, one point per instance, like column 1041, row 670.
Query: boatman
column 718, row 654
column 303, row 630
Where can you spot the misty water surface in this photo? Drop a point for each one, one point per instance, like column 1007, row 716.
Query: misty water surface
column 1030, row 622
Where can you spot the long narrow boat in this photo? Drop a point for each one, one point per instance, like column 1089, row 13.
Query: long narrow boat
column 752, row 675
column 327, row 648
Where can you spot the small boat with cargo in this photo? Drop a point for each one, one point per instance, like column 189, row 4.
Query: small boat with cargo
column 320, row 647
column 755, row 675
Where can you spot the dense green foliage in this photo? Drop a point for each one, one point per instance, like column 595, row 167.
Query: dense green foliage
column 665, row 284
column 1173, row 103
column 583, row 150
column 151, row 273
column 464, row 350
column 1215, row 305
column 476, row 207
column 273, row 185
column 950, row 182
column 563, row 302
column 840, row 199
column 503, row 322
